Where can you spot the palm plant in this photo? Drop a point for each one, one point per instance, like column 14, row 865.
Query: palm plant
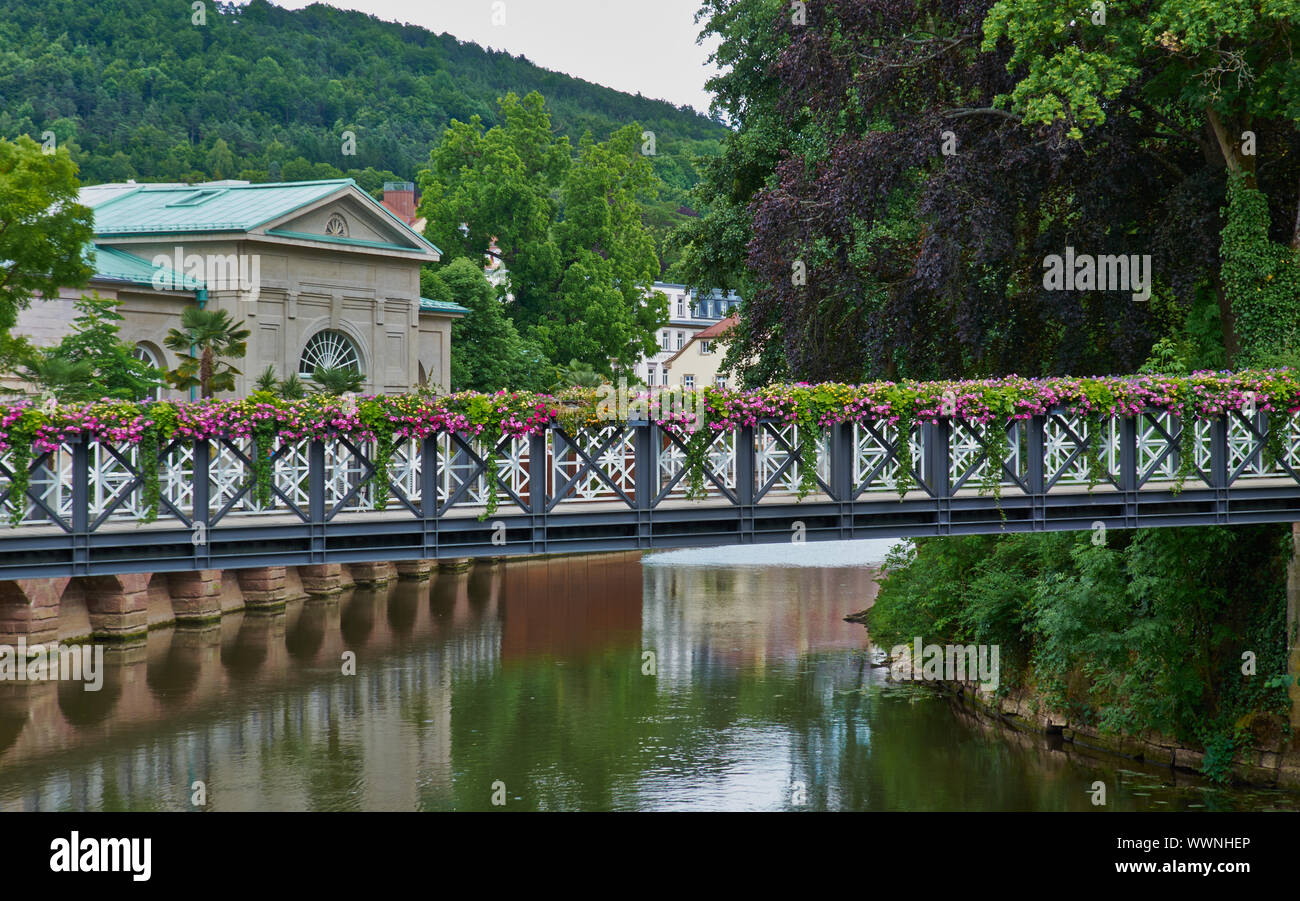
column 289, row 388
column 577, row 375
column 69, row 381
column 337, row 380
column 205, row 338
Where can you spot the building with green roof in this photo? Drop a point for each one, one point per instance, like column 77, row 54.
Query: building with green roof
column 318, row 271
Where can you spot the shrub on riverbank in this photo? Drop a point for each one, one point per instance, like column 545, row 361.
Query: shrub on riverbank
column 1144, row 631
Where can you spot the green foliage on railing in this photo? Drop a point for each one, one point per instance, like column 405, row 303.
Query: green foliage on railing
column 987, row 406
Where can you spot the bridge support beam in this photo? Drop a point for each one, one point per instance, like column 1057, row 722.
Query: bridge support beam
column 29, row 609
column 415, row 570
column 118, row 605
column 196, row 596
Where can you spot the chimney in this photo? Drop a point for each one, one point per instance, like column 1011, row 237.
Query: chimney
column 399, row 199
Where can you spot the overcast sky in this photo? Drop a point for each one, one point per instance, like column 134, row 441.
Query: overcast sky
column 630, row 45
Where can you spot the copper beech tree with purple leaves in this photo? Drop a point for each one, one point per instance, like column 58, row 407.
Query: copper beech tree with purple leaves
column 906, row 206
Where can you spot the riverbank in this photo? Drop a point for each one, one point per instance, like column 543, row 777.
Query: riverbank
column 1270, row 762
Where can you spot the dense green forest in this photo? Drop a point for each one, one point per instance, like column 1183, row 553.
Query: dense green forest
column 136, row 89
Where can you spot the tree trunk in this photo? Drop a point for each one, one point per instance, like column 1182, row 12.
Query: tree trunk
column 205, row 373
column 1230, row 146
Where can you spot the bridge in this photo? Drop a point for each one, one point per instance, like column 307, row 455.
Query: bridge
column 624, row 487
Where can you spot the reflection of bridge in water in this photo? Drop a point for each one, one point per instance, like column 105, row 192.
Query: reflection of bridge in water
column 221, row 694
column 624, row 487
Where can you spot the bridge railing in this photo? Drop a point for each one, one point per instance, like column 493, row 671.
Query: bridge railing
column 84, row 486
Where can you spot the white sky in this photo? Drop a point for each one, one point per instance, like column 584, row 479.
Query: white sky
column 629, row 45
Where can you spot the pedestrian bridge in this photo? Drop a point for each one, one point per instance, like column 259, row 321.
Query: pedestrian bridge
column 625, row 487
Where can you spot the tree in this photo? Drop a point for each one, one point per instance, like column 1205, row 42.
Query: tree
column 487, row 352
column 570, row 232
column 1218, row 78
column 66, row 381
column 43, row 230
column 712, row 248
column 92, row 362
column 205, row 339
column 895, row 216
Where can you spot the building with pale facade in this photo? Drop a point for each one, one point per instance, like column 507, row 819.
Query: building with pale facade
column 696, row 365
column 319, row 272
column 688, row 315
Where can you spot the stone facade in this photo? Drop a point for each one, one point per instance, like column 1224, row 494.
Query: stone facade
column 364, row 288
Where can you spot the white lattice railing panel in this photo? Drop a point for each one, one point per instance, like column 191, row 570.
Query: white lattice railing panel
column 967, row 456
column 1059, row 444
column 1291, row 444
column 456, row 467
column 775, row 444
column 1151, row 443
column 617, row 461
column 1244, row 449
column 721, row 460
column 870, row 450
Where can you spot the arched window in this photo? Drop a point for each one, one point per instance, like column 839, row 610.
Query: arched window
column 329, row 350
column 336, row 226
column 146, row 354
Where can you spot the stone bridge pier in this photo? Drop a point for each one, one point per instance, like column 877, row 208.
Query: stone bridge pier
column 29, row 609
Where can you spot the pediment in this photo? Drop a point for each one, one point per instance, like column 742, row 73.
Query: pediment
column 348, row 218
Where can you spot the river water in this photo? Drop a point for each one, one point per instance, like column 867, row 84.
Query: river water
column 693, row 680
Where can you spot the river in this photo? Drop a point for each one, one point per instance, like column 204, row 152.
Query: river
column 692, row 680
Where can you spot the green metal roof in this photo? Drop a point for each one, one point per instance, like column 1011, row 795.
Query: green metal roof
column 116, row 265
column 169, row 209
column 441, row 306
column 157, row 209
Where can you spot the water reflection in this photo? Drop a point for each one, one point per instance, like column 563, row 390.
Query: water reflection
column 579, row 683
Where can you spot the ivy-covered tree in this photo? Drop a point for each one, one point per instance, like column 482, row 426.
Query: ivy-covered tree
column 1218, row 77
column 898, row 226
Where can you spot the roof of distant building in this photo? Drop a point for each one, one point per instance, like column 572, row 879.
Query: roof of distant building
column 441, row 306
column 717, row 330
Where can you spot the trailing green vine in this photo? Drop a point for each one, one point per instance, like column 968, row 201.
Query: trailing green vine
column 1097, row 468
column 384, row 429
column 906, row 478
column 21, row 441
